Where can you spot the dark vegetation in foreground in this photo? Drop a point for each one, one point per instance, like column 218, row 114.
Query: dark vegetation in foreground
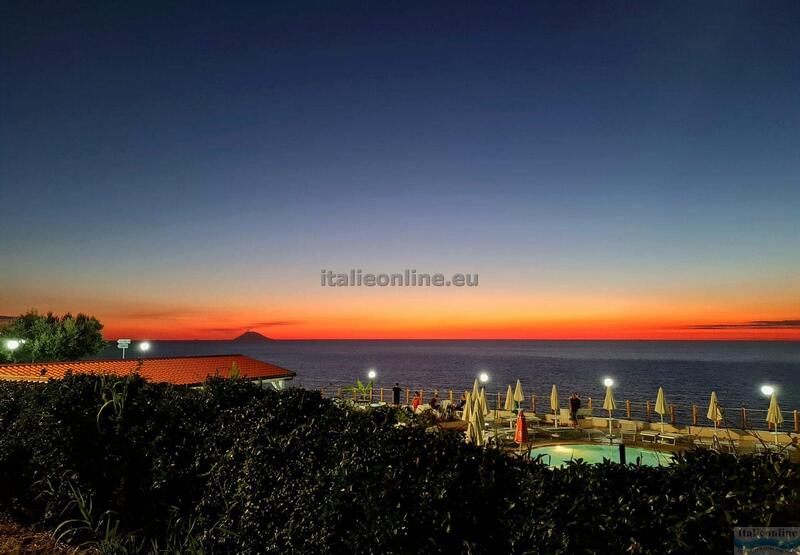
column 121, row 465
column 48, row 337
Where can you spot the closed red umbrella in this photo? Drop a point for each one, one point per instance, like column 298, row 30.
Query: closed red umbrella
column 521, row 435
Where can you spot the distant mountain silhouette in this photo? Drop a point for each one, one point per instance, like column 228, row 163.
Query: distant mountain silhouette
column 252, row 337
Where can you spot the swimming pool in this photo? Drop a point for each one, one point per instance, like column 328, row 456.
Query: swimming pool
column 558, row 455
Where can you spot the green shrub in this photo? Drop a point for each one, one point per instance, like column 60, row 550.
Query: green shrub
column 129, row 466
column 50, row 337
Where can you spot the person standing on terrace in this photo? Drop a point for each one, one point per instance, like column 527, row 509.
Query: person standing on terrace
column 416, row 400
column 396, row 394
column 574, row 407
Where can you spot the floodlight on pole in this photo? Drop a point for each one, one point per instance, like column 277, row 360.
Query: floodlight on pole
column 483, row 377
column 372, row 374
column 767, row 390
column 144, row 346
column 608, row 382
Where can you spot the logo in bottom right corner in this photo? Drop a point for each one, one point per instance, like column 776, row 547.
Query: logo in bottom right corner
column 764, row 540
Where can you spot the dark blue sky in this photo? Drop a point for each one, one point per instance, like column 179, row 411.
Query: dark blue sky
column 518, row 139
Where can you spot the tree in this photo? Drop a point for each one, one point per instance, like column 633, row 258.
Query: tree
column 50, row 337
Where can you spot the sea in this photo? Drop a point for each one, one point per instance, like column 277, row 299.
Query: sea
column 687, row 370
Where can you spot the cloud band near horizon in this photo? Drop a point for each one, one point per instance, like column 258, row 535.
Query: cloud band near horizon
column 751, row 325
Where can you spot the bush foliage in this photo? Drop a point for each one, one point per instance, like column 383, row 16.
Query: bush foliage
column 130, row 466
column 49, row 337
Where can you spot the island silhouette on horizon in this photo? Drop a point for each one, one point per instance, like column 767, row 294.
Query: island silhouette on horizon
column 251, row 337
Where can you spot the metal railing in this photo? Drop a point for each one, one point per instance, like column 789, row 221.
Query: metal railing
column 678, row 414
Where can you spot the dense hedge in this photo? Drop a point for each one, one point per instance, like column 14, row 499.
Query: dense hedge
column 131, row 466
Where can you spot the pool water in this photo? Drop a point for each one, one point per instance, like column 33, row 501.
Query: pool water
column 558, row 455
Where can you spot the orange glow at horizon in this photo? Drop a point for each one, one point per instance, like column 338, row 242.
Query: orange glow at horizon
column 331, row 328
column 499, row 313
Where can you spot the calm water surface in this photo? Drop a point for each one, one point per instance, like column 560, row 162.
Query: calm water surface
column 559, row 455
column 688, row 370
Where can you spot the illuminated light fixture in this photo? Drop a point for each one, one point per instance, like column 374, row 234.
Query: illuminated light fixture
column 608, row 382
column 372, row 374
column 144, row 346
column 483, row 377
column 13, row 344
column 767, row 390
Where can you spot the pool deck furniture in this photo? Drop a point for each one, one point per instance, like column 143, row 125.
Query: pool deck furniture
column 669, row 439
column 649, row 436
column 629, row 429
column 629, row 435
column 594, row 433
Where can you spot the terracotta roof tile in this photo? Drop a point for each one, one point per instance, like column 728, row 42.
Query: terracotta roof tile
column 191, row 370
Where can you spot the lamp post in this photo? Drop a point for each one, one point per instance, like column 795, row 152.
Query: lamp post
column 608, row 403
column 371, row 374
column 144, row 346
column 12, row 345
column 483, row 377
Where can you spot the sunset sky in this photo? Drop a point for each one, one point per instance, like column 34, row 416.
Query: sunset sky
column 185, row 170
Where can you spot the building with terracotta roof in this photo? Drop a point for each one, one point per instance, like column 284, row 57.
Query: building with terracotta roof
column 186, row 371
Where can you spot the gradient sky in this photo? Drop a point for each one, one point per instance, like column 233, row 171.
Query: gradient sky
column 184, row 170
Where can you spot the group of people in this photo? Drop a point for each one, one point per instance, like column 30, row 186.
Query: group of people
column 416, row 401
column 434, row 402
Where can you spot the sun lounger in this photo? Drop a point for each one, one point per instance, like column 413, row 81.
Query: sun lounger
column 595, row 434
column 669, row 439
column 629, row 429
column 628, row 435
column 648, row 436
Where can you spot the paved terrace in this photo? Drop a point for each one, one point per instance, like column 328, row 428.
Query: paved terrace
column 633, row 422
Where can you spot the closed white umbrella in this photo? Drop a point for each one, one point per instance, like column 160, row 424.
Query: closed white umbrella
column 481, row 425
column 509, row 400
column 554, row 403
column 774, row 415
column 475, row 389
column 610, row 405
column 714, row 413
column 519, row 396
column 465, row 414
column 478, row 422
column 483, row 404
column 470, row 432
column 661, row 406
